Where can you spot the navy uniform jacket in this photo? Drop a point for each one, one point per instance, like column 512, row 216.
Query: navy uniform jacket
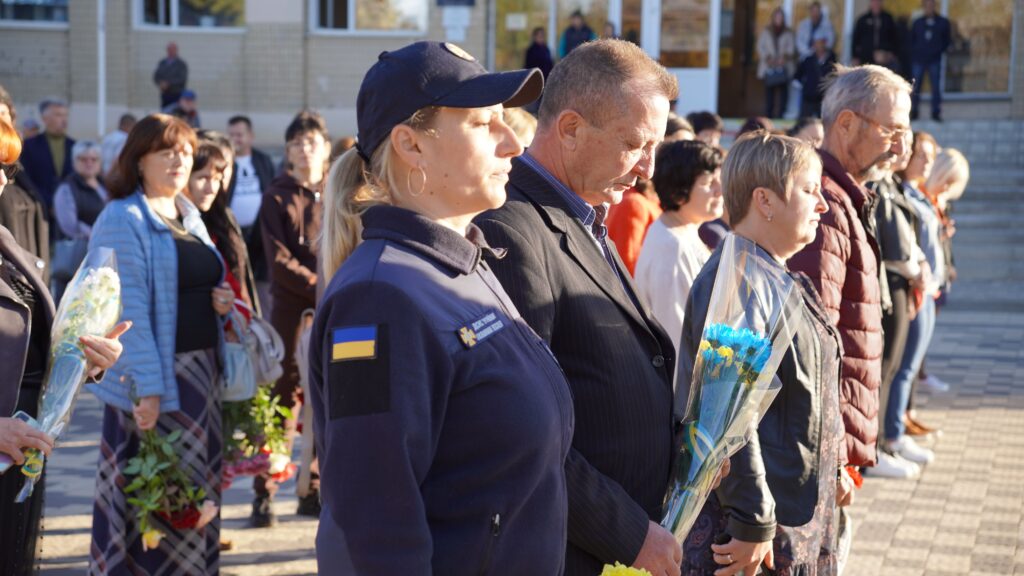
column 618, row 360
column 442, row 420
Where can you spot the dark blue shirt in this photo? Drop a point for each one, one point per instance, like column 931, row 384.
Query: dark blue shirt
column 442, row 420
column 929, row 39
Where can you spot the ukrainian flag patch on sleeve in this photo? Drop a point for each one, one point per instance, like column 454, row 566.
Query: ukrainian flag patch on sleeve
column 353, row 343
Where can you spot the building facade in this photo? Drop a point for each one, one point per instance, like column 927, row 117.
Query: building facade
column 270, row 58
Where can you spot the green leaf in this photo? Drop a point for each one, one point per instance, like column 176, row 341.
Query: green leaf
column 135, row 485
column 168, row 450
column 286, row 412
column 173, row 436
column 133, row 467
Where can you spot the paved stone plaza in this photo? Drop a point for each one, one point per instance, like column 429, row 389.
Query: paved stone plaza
column 963, row 516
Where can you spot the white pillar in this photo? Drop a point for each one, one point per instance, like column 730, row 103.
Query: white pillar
column 101, row 68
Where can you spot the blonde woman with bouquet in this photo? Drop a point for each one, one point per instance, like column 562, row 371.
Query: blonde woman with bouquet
column 778, row 505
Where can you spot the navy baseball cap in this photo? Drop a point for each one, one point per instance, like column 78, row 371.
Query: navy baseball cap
column 432, row 74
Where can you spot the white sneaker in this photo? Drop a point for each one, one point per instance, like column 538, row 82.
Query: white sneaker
column 891, row 466
column 905, row 447
column 933, row 384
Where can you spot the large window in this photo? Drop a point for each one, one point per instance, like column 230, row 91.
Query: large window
column 34, row 10
column 685, row 33
column 514, row 24
column 979, row 59
column 372, row 15
column 194, row 13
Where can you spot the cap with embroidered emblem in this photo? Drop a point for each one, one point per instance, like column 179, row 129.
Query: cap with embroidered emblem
column 424, row 74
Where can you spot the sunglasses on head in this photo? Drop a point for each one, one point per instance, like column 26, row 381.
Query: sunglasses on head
column 10, row 170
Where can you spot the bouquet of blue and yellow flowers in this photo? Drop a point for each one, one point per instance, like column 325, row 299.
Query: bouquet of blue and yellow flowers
column 749, row 325
column 91, row 306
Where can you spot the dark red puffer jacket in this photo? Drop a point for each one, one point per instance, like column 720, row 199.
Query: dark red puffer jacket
column 842, row 261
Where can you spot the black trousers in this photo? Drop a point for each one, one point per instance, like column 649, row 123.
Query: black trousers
column 895, row 325
column 20, row 523
column 773, row 94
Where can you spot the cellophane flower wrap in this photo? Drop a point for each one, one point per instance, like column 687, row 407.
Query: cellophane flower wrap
column 91, row 306
column 750, row 324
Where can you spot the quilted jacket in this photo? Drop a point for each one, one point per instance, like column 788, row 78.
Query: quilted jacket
column 842, row 262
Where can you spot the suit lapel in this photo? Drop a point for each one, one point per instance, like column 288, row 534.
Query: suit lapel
column 579, row 242
column 645, row 311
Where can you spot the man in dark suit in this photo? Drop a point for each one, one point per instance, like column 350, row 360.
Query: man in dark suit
column 47, row 156
column 593, row 141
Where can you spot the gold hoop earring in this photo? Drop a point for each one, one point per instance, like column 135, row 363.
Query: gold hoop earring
column 408, row 182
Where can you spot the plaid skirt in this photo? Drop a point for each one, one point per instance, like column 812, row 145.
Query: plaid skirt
column 116, row 543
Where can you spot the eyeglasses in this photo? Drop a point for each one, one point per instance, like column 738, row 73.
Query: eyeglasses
column 10, row 170
column 890, row 133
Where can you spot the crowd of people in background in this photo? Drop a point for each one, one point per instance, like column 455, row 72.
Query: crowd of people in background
column 912, row 49
column 610, row 220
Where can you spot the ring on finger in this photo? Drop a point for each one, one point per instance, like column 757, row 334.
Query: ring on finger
column 728, row 558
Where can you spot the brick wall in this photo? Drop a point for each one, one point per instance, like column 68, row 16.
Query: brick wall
column 34, row 64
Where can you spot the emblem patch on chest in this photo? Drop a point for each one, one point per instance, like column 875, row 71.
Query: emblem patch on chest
column 480, row 330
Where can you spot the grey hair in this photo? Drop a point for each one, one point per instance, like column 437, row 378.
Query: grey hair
column 46, row 103
column 858, row 89
column 84, row 147
column 622, row 67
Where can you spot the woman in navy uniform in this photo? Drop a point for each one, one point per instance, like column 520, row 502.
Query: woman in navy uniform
column 442, row 420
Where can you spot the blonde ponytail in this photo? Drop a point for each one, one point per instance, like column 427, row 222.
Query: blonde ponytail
column 347, row 195
column 351, row 188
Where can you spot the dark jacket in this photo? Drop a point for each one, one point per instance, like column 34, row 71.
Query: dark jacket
column 774, row 478
column 264, row 166
column 619, row 362
column 868, row 37
column 38, row 162
column 811, row 72
column 843, row 264
column 15, row 320
column 290, row 218
column 174, row 72
column 573, row 37
column 929, row 39
column 265, row 171
column 24, row 215
column 539, row 56
column 896, row 222
column 442, row 450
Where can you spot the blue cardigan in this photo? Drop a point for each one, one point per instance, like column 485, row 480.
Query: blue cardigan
column 147, row 262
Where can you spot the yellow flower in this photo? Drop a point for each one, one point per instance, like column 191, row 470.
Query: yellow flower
column 620, row 570
column 726, row 353
column 151, row 539
column 704, row 346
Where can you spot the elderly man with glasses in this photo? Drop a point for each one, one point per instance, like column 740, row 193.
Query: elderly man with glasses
column 866, row 113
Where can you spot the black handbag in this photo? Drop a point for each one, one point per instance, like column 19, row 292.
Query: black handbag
column 775, row 77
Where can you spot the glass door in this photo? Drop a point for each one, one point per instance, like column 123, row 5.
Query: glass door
column 514, row 23
column 681, row 39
